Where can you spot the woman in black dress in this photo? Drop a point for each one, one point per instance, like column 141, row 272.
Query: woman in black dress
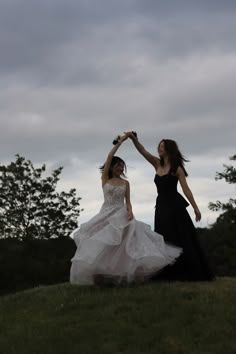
column 171, row 217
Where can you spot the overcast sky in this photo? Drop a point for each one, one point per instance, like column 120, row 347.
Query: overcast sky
column 74, row 74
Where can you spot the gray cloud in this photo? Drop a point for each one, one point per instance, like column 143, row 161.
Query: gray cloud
column 54, row 42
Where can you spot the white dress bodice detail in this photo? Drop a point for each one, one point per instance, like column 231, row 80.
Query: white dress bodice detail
column 113, row 196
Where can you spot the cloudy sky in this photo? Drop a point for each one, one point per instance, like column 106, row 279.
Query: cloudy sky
column 74, row 74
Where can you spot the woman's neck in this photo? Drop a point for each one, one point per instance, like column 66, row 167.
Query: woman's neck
column 166, row 160
column 116, row 177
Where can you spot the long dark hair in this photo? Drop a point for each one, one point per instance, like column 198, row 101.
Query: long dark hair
column 115, row 160
column 176, row 158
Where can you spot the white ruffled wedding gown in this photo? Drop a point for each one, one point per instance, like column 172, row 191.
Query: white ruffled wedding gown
column 112, row 247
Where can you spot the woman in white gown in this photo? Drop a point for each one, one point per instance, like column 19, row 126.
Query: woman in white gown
column 114, row 247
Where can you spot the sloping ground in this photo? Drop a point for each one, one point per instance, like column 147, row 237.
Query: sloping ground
column 157, row 318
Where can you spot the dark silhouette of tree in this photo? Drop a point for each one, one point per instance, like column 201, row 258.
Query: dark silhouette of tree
column 30, row 206
column 229, row 208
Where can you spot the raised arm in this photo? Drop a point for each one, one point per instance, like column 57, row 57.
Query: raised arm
column 187, row 192
column 105, row 172
column 152, row 159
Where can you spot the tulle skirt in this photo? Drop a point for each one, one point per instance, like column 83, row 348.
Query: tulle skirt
column 112, row 248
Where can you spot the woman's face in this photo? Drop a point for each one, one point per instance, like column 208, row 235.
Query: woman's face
column 118, row 169
column 161, row 149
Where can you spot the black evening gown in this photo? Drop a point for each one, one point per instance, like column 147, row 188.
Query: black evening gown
column 175, row 224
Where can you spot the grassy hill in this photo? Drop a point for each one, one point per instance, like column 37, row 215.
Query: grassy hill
column 156, row 318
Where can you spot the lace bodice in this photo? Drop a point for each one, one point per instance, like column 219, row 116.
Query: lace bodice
column 113, row 195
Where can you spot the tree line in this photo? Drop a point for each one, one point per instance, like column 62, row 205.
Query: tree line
column 36, row 219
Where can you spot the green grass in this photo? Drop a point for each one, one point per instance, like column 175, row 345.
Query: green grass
column 156, row 318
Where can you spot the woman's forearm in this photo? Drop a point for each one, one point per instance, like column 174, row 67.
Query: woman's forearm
column 129, row 206
column 114, row 149
column 138, row 145
column 153, row 160
column 129, row 211
column 189, row 195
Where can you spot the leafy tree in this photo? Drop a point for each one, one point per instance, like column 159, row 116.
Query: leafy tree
column 229, row 208
column 30, row 206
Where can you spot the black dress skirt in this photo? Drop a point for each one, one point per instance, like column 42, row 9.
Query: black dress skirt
column 173, row 222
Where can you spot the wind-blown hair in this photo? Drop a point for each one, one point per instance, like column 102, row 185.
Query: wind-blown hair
column 176, row 158
column 115, row 160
